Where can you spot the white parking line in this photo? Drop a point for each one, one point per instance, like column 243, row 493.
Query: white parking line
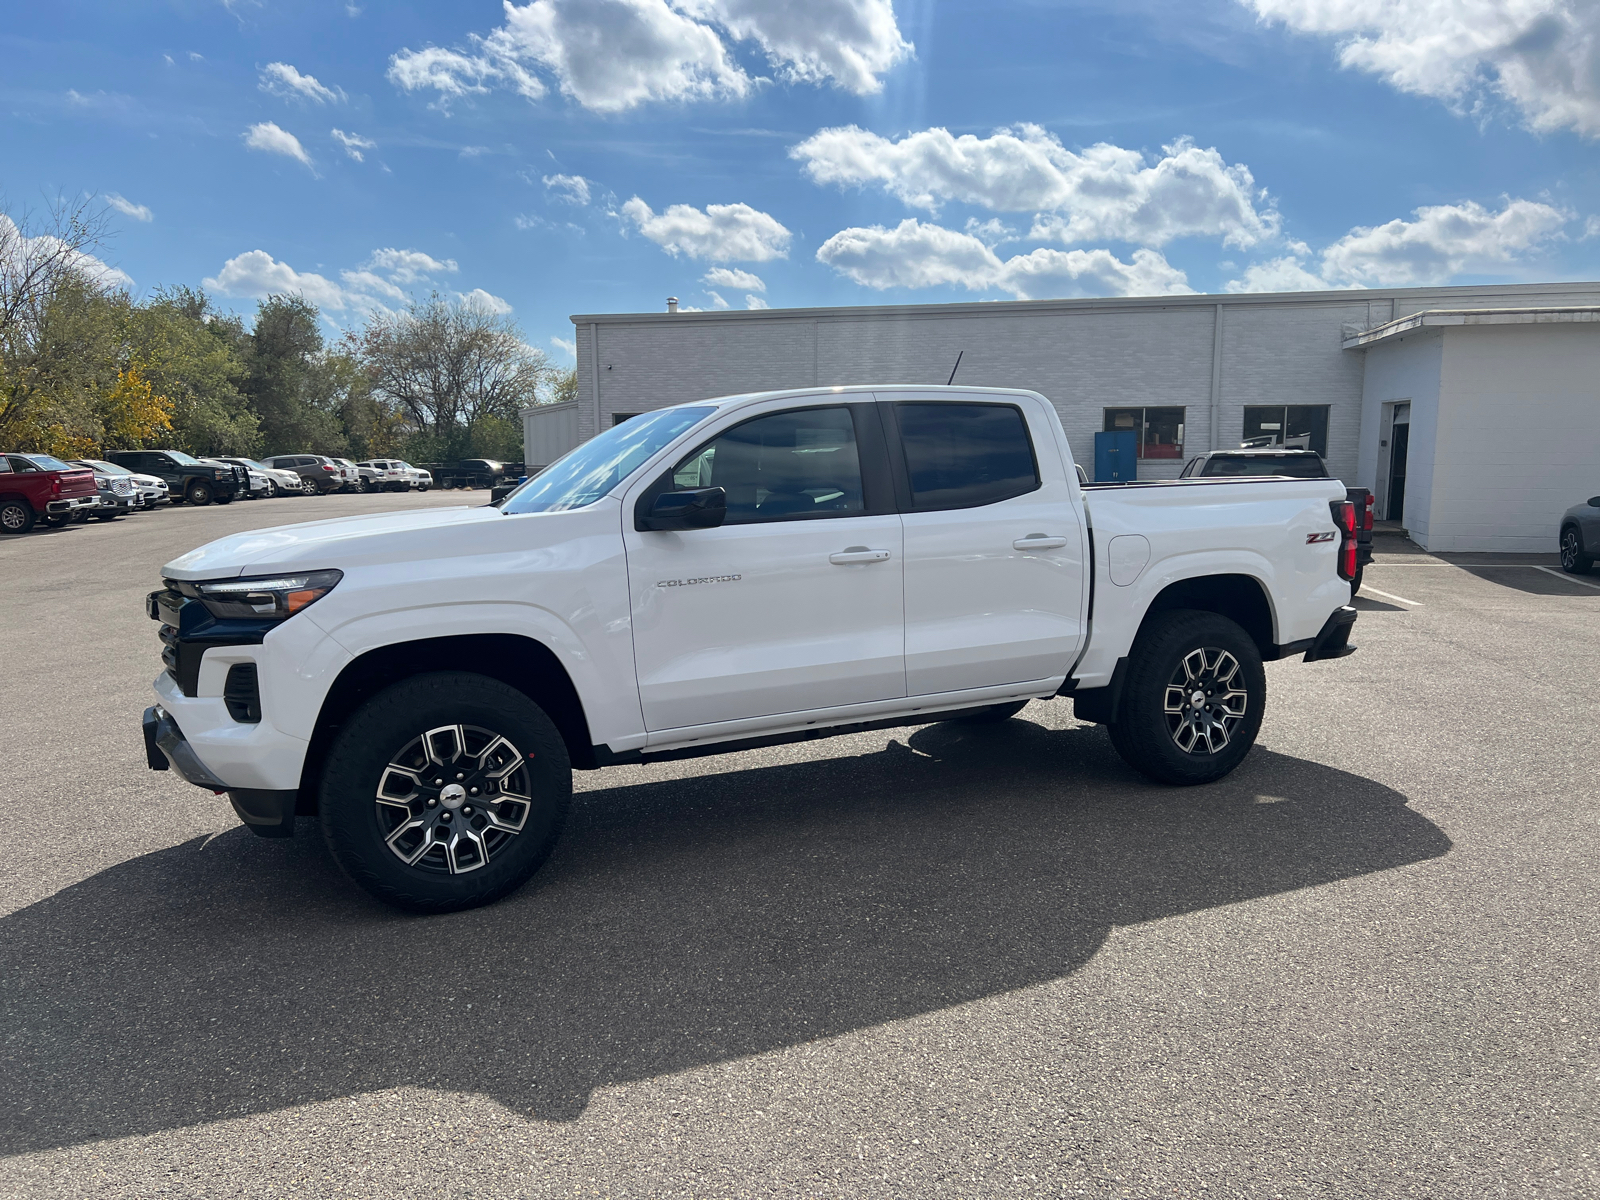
column 1568, row 578
column 1365, row 588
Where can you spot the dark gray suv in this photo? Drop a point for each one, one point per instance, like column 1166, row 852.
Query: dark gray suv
column 318, row 473
column 1580, row 536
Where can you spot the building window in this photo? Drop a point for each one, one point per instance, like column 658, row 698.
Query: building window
column 1292, row 426
column 1160, row 430
column 619, row 418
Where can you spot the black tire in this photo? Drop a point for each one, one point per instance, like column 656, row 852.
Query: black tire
column 1220, row 731
column 16, row 516
column 359, row 764
column 272, row 490
column 199, row 493
column 225, row 497
column 1573, row 560
column 992, row 715
column 307, row 488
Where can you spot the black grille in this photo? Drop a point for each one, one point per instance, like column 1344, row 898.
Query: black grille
column 169, row 648
column 241, row 693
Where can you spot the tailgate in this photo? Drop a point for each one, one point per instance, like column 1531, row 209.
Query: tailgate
column 77, row 483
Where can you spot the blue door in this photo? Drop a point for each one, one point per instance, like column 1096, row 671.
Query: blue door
column 1116, row 456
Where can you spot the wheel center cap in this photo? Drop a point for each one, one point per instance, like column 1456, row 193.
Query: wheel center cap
column 453, row 795
column 1197, row 698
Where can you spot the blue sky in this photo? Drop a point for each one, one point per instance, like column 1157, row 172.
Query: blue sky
column 569, row 156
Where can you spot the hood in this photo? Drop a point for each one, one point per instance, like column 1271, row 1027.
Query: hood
column 343, row 542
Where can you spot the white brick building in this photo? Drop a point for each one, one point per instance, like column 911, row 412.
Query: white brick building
column 1189, row 373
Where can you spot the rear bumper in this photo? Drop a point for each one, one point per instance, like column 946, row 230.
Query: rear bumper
column 1334, row 639
column 71, row 504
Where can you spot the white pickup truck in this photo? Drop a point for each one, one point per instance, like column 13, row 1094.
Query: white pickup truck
column 717, row 576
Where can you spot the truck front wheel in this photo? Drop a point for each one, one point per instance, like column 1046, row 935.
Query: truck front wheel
column 445, row 791
column 1192, row 698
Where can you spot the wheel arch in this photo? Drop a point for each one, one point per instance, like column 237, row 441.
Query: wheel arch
column 513, row 659
column 1243, row 599
column 1577, row 528
column 22, row 496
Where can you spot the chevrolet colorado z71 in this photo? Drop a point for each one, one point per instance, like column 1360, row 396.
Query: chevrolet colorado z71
column 36, row 487
column 717, row 576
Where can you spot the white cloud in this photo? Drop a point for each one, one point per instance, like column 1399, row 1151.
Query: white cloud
column 716, row 300
column 128, row 208
column 409, row 266
column 255, row 274
column 1542, row 56
column 1443, row 242
column 851, row 43
column 732, row 277
column 755, row 302
column 354, row 144
column 569, row 348
column 613, row 55
column 19, row 250
column 914, row 255
column 721, row 233
column 1104, row 193
column 574, row 189
column 366, row 281
column 282, row 80
column 478, row 298
column 269, row 138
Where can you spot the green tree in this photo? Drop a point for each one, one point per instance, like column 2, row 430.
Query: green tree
column 194, row 355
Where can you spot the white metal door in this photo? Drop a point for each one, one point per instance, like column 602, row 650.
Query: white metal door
column 994, row 592
column 784, row 608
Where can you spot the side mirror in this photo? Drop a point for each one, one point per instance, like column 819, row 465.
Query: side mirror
column 702, row 508
column 1594, row 501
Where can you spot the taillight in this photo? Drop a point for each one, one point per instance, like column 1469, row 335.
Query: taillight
column 1366, row 519
column 326, row 467
column 1344, row 516
column 55, row 485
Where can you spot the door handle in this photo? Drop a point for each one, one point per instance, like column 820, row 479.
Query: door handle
column 1039, row 541
column 858, row 554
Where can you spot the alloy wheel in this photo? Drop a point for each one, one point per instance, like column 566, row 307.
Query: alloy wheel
column 452, row 797
column 1205, row 700
column 1569, row 549
column 14, row 518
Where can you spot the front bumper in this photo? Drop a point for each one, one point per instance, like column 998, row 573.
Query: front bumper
column 267, row 812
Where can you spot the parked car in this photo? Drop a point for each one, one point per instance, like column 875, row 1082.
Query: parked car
column 152, row 489
column 259, row 487
column 351, row 474
column 752, row 570
column 1580, row 537
column 317, row 473
column 474, row 473
column 420, row 479
column 279, row 481
column 118, row 496
column 189, row 481
column 1266, row 461
column 386, row 474
column 38, row 487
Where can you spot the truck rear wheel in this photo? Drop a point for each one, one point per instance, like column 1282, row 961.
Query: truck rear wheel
column 1192, row 698
column 445, row 791
column 16, row 516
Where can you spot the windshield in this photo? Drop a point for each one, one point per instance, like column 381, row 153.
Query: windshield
column 48, row 463
column 106, row 468
column 182, row 459
column 592, row 470
column 247, row 462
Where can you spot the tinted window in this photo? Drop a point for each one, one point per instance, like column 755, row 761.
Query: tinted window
column 963, row 455
column 5, row 466
column 1299, row 466
column 48, row 462
column 789, row 465
column 18, row 463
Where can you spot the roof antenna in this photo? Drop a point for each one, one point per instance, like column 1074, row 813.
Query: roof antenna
column 955, row 368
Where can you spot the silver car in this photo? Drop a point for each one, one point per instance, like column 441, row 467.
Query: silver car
column 152, row 489
column 1580, row 536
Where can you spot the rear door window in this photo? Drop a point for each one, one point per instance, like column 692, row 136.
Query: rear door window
column 965, row 455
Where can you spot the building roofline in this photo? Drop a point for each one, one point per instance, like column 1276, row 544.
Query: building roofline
column 1092, row 304
column 1440, row 317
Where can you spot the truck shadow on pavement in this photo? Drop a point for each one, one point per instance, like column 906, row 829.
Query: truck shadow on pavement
column 683, row 921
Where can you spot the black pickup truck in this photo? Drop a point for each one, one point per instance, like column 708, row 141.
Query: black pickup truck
column 473, row 473
column 1249, row 462
column 188, row 479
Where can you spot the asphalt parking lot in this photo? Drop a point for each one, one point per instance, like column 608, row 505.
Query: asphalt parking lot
column 942, row 962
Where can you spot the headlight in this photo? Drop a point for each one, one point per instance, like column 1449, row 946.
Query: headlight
column 222, row 473
column 274, row 598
